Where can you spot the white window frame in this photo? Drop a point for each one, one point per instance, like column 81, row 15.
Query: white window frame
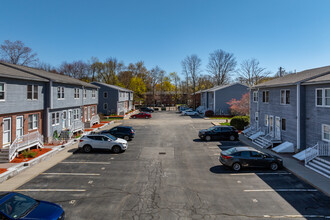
column 323, row 136
column 76, row 114
column 105, row 106
column 60, row 92
column 85, row 93
column 9, row 131
column 105, row 95
column 93, row 110
column 323, row 97
column 56, row 118
column 35, row 122
column 4, row 92
column 266, row 120
column 284, row 97
column 33, row 92
column 76, row 93
column 94, row 93
column 266, row 101
column 255, row 96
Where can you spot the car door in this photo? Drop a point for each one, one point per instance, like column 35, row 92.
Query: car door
column 244, row 158
column 225, row 133
column 257, row 159
column 97, row 142
column 106, row 142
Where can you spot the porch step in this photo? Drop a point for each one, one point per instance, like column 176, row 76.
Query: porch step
column 256, row 135
column 320, row 166
column 300, row 156
column 262, row 142
column 286, row 147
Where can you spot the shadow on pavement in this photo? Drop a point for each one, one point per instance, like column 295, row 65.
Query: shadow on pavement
column 94, row 151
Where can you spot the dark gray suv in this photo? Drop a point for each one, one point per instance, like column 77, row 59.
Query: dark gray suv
column 238, row 157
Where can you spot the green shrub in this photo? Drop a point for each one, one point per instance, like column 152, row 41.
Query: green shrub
column 209, row 113
column 163, row 108
column 29, row 154
column 239, row 122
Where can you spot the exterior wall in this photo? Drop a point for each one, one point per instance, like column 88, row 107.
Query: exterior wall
column 25, row 124
column 111, row 100
column 315, row 116
column 16, row 96
column 224, row 95
column 89, row 100
column 210, row 101
column 91, row 112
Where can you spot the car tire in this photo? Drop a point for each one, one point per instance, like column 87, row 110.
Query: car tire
column 208, row 138
column 236, row 166
column 116, row 149
column 134, row 117
column 87, row 148
column 274, row 166
column 232, row 138
column 126, row 137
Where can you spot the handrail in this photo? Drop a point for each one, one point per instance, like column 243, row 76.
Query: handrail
column 311, row 153
column 77, row 125
column 23, row 141
column 95, row 119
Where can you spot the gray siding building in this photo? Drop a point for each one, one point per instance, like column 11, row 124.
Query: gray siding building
column 114, row 99
column 216, row 98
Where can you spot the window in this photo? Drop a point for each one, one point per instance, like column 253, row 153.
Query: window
column 319, row 99
column 323, row 97
column 255, row 96
column 327, row 97
column 283, row 124
column 105, row 95
column 265, row 96
column 2, row 91
column 326, row 132
column 266, row 120
column 93, row 93
column 105, row 106
column 76, row 93
column 85, row 93
column 285, row 97
column 32, row 92
column 60, row 92
column 33, row 121
column 75, row 114
column 55, row 118
column 93, row 110
column 256, row 115
column 255, row 154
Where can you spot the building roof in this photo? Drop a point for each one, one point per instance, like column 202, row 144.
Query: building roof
column 55, row 77
column 112, row 86
column 319, row 80
column 216, row 88
column 9, row 72
column 292, row 79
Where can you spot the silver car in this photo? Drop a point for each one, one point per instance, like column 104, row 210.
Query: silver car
column 102, row 141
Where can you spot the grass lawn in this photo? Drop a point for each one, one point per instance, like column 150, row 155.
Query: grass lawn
column 228, row 124
column 220, row 118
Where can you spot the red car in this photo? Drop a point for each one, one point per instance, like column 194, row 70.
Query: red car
column 141, row 115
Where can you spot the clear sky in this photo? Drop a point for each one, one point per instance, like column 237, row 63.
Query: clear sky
column 294, row 34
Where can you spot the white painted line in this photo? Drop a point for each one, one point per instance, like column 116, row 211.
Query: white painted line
column 216, row 154
column 83, row 162
column 252, row 174
column 90, row 182
column 280, row 190
column 73, row 174
column 254, row 200
column 49, row 190
column 239, row 181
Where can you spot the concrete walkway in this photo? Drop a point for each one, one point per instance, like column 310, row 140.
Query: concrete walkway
column 297, row 168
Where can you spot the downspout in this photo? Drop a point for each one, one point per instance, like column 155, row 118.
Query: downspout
column 49, row 107
column 298, row 115
column 214, row 102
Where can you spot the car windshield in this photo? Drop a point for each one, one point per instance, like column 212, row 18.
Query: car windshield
column 230, row 151
column 18, row 206
column 110, row 136
column 211, row 129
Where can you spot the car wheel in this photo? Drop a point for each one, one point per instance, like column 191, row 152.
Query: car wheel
column 87, row 148
column 126, row 137
column 232, row 137
column 134, row 117
column 208, row 138
column 274, row 166
column 236, row 166
column 116, row 149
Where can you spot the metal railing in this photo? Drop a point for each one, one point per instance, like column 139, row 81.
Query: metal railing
column 95, row 119
column 77, row 126
column 23, row 142
column 320, row 149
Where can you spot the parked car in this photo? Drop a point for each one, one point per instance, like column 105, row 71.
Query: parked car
column 146, row 109
column 238, row 157
column 141, row 115
column 102, row 141
column 183, row 108
column 219, row 133
column 189, row 112
column 124, row 132
column 18, row 206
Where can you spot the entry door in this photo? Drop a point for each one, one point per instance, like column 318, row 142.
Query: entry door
column 277, row 128
column 64, row 119
column 89, row 113
column 70, row 118
column 271, row 125
column 6, row 131
column 85, row 114
column 19, row 126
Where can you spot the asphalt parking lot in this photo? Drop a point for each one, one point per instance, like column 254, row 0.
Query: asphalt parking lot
column 168, row 173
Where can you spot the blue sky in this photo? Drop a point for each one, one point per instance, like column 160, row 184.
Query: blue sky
column 294, row 34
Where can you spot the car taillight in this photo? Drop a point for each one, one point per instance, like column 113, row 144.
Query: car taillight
column 81, row 140
column 226, row 157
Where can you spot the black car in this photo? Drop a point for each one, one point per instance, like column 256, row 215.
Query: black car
column 124, row 132
column 238, row 157
column 146, row 109
column 219, row 133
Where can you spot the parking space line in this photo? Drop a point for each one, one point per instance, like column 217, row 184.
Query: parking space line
column 280, row 190
column 251, row 174
column 49, row 190
column 73, row 174
column 86, row 162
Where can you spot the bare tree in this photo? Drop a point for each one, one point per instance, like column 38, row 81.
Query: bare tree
column 76, row 69
column 191, row 66
column 17, row 53
column 109, row 70
column 221, row 64
column 250, row 73
column 154, row 79
column 175, row 77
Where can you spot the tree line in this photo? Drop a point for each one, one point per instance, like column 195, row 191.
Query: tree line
column 221, row 69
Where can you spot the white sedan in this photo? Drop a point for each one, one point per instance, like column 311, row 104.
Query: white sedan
column 189, row 112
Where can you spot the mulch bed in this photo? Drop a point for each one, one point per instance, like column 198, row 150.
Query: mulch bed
column 2, row 170
column 20, row 158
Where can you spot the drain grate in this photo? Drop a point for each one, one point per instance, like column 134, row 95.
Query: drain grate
column 162, row 153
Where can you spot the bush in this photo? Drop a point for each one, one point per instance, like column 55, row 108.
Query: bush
column 239, row 122
column 29, row 154
column 209, row 113
column 163, row 108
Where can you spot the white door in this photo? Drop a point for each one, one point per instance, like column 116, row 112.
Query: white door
column 19, row 126
column 271, row 125
column 64, row 119
column 85, row 114
column 277, row 128
column 89, row 113
column 6, row 131
column 70, row 118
